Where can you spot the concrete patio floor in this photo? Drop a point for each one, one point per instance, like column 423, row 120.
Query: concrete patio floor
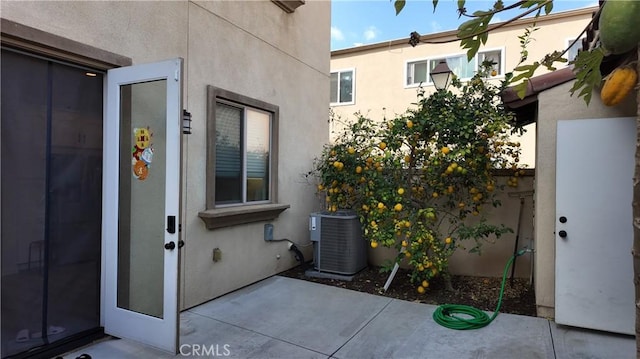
column 289, row 318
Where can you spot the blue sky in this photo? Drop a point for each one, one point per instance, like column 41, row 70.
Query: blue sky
column 357, row 22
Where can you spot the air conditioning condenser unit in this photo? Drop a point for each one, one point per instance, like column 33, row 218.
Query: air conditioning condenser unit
column 338, row 245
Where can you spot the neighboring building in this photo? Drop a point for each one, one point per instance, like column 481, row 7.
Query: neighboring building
column 382, row 79
column 100, row 189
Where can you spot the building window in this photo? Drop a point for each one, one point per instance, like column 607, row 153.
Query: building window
column 572, row 51
column 493, row 59
column 242, row 149
column 419, row 72
column 343, row 86
column 242, row 155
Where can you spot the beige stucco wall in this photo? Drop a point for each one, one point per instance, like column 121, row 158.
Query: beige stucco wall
column 252, row 48
column 380, row 72
column 550, row 102
column 495, row 251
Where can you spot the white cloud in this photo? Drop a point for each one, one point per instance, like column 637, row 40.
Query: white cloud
column 495, row 19
column 371, row 33
column 435, row 26
column 356, row 44
column 336, row 34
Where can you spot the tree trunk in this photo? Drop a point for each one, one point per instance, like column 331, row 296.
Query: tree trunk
column 636, row 216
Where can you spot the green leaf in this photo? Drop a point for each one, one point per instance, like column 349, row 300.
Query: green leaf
column 530, row 3
column 548, row 8
column 480, row 13
column 521, row 88
column 473, row 50
column 399, row 5
column 469, row 27
column 587, row 70
column 527, row 71
column 435, row 4
column 460, row 4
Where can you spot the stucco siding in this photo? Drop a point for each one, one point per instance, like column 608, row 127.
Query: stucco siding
column 252, row 48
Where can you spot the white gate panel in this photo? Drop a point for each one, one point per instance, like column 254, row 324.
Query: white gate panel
column 594, row 271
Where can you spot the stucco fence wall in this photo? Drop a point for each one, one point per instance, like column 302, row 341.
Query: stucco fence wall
column 495, row 251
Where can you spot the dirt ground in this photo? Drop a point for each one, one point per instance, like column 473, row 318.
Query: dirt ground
column 480, row 292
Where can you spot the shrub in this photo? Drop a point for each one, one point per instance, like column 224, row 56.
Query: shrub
column 420, row 181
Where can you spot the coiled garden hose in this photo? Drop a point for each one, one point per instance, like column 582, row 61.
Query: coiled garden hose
column 445, row 314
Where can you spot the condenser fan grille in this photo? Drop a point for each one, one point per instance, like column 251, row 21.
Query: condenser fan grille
column 340, row 248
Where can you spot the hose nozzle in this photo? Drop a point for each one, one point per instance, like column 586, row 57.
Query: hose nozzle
column 524, row 250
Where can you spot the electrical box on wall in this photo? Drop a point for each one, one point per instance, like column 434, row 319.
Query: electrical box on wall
column 217, row 255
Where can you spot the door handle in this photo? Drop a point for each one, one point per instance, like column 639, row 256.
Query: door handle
column 171, row 224
column 170, row 246
column 562, row 234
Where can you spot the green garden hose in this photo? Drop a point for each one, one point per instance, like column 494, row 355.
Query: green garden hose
column 476, row 318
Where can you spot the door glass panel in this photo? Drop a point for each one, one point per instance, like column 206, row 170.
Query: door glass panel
column 51, row 202
column 141, row 225
column 24, row 143
column 75, row 201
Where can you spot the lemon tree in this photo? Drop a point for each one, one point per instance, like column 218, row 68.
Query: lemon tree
column 421, row 182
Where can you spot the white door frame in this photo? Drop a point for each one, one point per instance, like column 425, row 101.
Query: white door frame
column 160, row 333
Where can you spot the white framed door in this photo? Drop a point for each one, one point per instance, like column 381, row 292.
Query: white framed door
column 594, row 183
column 141, row 203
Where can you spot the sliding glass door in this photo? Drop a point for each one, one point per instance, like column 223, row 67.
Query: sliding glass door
column 51, row 169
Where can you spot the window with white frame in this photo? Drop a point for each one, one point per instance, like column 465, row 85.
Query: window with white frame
column 342, row 87
column 419, row 72
column 241, row 144
column 572, row 51
column 492, row 60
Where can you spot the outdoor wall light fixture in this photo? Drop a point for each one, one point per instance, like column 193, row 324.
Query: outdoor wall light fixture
column 441, row 75
column 186, row 122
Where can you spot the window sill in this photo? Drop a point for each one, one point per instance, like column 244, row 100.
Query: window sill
column 334, row 104
column 232, row 216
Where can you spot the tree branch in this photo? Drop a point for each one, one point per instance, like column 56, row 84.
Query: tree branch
column 496, row 11
column 489, row 28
